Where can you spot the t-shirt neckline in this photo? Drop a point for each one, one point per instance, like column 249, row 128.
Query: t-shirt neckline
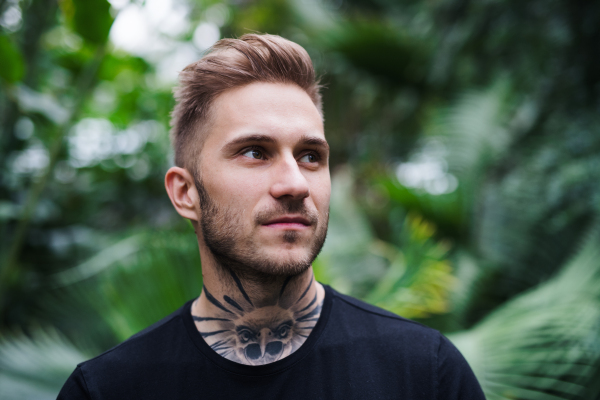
column 258, row 370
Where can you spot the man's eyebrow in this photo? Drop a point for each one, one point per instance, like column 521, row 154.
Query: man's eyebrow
column 314, row 141
column 256, row 138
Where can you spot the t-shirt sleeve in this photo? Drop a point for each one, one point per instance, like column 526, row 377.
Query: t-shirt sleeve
column 455, row 379
column 75, row 387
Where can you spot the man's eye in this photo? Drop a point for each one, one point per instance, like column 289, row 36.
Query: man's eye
column 254, row 153
column 309, row 158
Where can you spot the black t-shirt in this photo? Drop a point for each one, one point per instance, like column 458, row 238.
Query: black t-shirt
column 356, row 351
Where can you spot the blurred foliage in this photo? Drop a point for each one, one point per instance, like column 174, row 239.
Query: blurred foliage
column 465, row 159
column 550, row 347
column 12, row 68
column 411, row 276
column 90, row 19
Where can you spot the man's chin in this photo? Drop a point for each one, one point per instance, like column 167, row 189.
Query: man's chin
column 280, row 270
column 281, row 261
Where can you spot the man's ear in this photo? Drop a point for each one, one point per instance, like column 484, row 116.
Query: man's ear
column 182, row 192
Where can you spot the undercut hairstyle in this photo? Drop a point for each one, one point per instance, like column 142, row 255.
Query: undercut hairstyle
column 228, row 64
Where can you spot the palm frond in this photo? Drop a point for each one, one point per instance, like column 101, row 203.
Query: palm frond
column 544, row 344
column 157, row 274
column 345, row 260
column 419, row 278
column 36, row 366
column 412, row 278
column 474, row 130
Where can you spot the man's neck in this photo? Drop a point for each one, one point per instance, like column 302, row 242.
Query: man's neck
column 256, row 320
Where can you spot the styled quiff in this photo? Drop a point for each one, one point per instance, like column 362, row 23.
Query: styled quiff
column 228, row 64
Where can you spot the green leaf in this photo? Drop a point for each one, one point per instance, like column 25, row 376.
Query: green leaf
column 412, row 280
column 137, row 281
column 383, row 50
column 543, row 344
column 346, row 261
column 89, row 18
column 36, row 366
column 12, row 67
column 418, row 280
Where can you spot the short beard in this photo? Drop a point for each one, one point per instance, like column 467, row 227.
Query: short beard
column 221, row 233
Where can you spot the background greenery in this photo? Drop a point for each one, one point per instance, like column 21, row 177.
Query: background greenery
column 465, row 164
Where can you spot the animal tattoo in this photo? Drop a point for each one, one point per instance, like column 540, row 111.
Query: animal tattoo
column 253, row 334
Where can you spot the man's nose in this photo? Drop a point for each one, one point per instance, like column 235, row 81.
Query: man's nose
column 288, row 180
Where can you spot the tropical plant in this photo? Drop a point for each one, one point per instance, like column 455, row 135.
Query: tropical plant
column 543, row 344
column 36, row 366
column 411, row 277
column 465, row 154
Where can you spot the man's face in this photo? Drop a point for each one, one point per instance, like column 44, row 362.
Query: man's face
column 264, row 180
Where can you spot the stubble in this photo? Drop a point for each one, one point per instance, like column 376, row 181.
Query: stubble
column 233, row 249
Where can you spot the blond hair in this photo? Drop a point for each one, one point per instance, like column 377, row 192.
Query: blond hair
column 232, row 63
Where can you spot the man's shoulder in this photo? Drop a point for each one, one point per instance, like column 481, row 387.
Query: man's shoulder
column 147, row 361
column 147, row 344
column 357, row 321
column 357, row 309
column 384, row 341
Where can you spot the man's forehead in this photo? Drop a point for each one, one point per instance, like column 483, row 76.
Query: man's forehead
column 256, row 95
column 266, row 112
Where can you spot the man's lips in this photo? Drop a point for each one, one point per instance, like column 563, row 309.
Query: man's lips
column 288, row 222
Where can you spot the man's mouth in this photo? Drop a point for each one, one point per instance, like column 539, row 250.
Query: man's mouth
column 288, row 222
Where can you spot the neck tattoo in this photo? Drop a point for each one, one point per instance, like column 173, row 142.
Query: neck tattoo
column 243, row 331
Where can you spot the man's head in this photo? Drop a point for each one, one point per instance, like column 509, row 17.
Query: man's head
column 253, row 173
column 233, row 63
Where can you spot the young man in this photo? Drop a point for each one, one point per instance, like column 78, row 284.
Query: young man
column 252, row 175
